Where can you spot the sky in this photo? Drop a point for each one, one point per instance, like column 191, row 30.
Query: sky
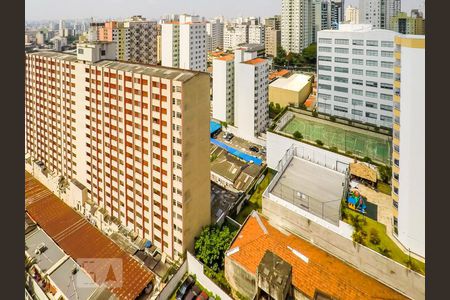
column 153, row 9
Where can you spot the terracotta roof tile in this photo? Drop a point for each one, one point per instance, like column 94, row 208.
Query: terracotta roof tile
column 255, row 61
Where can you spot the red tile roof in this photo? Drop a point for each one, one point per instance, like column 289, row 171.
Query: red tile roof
column 277, row 74
column 228, row 57
column 79, row 239
column 322, row 272
column 255, row 61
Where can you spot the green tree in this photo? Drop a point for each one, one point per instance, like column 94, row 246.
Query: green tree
column 298, row 135
column 310, row 53
column 385, row 173
column 211, row 245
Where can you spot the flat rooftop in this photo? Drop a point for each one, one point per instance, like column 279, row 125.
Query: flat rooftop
column 312, row 187
column 72, row 233
column 312, row 268
column 295, row 82
column 51, row 253
column 222, row 201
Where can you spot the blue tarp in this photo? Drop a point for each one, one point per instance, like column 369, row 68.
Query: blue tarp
column 213, row 127
column 148, row 244
column 237, row 153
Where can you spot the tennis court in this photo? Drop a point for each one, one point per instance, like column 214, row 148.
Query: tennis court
column 346, row 138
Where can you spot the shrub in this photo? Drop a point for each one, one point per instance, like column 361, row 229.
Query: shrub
column 302, row 106
column 367, row 159
column 319, row 142
column 334, row 149
column 358, row 238
column 298, row 135
column 384, row 251
column 411, row 264
column 315, row 114
column 333, row 119
column 374, row 237
column 385, row 173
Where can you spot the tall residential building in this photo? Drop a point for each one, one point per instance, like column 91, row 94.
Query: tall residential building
column 93, row 31
column 142, row 40
column 352, row 15
column 405, row 24
column 274, row 22
column 256, row 34
column 355, row 67
column 320, row 17
column 378, row 12
column 251, row 94
column 184, row 43
column 408, row 178
column 272, row 41
column 223, row 89
column 40, row 38
column 295, row 25
column 214, row 34
column 136, row 136
column 337, row 13
column 106, row 32
column 234, row 34
column 61, row 28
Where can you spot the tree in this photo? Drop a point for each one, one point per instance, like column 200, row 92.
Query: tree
column 319, row 142
column 298, row 135
column 211, row 245
column 224, row 124
column 310, row 53
column 280, row 59
column 385, row 173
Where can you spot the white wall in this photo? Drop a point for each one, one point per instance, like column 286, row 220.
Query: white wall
column 167, row 45
column 244, row 97
column 221, row 88
column 411, row 205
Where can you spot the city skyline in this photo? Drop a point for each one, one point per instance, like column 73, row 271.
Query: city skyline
column 39, row 10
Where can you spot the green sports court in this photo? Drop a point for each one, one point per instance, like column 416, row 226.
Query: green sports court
column 346, row 138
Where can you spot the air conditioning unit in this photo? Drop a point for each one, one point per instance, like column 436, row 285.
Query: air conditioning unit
column 40, row 249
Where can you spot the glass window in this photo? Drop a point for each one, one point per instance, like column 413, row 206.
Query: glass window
column 387, row 75
column 357, row 72
column 324, row 41
column 358, row 42
column 341, row 60
column 341, row 89
column 341, row 50
column 372, row 52
column 371, row 104
column 371, row 73
column 372, row 63
column 371, row 115
column 341, row 70
column 324, row 68
column 385, row 107
column 372, row 43
column 340, row 99
column 324, row 105
column 357, row 102
column 358, row 51
column 386, row 64
column 386, row 86
column 357, row 61
column 341, row 41
column 371, row 83
column 357, row 82
column 324, row 49
column 387, row 53
column 385, row 97
column 371, row 94
column 357, row 92
column 325, row 77
column 386, row 118
column 387, row 44
column 325, row 86
column 324, row 58
column 357, row 112
column 340, row 108
column 324, row 96
column 341, row 79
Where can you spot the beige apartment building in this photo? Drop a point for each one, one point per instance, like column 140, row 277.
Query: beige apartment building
column 273, row 41
column 134, row 135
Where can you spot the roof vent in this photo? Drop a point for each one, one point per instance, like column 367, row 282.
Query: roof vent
column 40, row 249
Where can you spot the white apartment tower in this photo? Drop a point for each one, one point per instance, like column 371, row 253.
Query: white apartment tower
column 408, row 169
column 295, row 25
column 184, row 43
column 352, row 15
column 251, row 94
column 337, row 13
column 355, row 66
column 378, row 12
column 223, row 89
column 214, row 34
column 320, row 17
column 256, row 34
column 234, row 34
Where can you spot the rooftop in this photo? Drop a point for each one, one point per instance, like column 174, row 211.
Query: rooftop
column 295, row 82
column 312, row 268
column 255, row 61
column 228, row 57
column 277, row 74
column 72, row 233
column 50, row 253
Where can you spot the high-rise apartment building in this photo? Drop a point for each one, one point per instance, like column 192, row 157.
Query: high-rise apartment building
column 378, row 12
column 405, row 24
column 320, row 17
column 251, row 94
column 352, row 15
column 184, row 43
column 272, row 41
column 337, row 13
column 256, row 34
column 355, row 67
column 295, row 25
column 408, row 169
column 61, row 28
column 142, row 40
column 274, row 22
column 136, row 136
column 40, row 38
column 214, row 34
column 93, row 32
column 234, row 34
column 223, row 89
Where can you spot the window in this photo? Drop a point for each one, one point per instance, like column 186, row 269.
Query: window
column 372, row 52
column 389, row 44
column 358, row 42
column 324, row 105
column 357, row 102
column 357, row 92
column 372, row 63
column 341, row 79
column 357, row 61
column 386, row 75
column 324, row 41
column 341, row 70
column 372, row 43
column 324, row 68
column 371, row 94
column 325, row 77
column 371, row 104
column 324, row 96
column 357, row 112
column 324, row 49
column 387, row 86
column 80, row 51
column 341, row 50
column 341, row 89
column 357, row 82
column 385, row 97
column 341, row 41
column 324, row 58
column 358, row 51
column 341, row 60
column 385, row 107
column 340, row 99
column 387, row 53
column 371, row 83
column 371, row 115
column 357, row 72
column 340, row 108
column 386, row 64
column 386, row 118
column 325, row 86
column 371, row 73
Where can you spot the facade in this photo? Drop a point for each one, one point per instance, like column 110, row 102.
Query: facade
column 355, row 73
column 352, row 15
column 93, row 31
column 256, row 34
column 378, row 12
column 320, row 17
column 223, row 89
column 337, row 13
column 272, row 41
column 405, row 24
column 408, row 178
column 251, row 83
column 40, row 38
column 234, row 34
column 274, row 22
column 184, row 44
column 295, row 25
column 119, row 129
column 142, row 40
column 292, row 90
column 214, row 34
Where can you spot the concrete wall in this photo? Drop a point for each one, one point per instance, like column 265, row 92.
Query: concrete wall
column 173, row 283
column 284, row 97
column 362, row 258
column 240, row 279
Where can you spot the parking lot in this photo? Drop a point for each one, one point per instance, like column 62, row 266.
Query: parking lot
column 242, row 145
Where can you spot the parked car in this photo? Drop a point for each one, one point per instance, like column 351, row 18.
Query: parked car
column 185, row 287
column 203, row 296
column 190, row 296
column 254, row 149
column 228, row 136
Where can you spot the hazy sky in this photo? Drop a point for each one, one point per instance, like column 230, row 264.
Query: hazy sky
column 73, row 9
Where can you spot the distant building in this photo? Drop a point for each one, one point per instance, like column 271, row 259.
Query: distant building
column 274, row 22
column 223, row 89
column 405, row 24
column 272, row 41
column 234, row 34
column 337, row 13
column 295, row 25
column 214, row 34
column 40, row 38
column 352, row 15
column 141, row 43
column 256, row 34
column 378, row 12
column 320, row 17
